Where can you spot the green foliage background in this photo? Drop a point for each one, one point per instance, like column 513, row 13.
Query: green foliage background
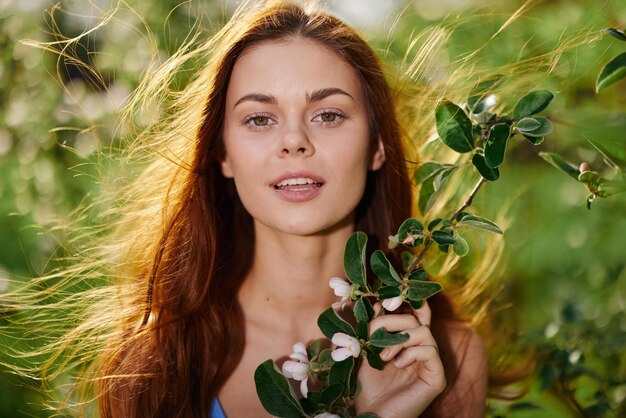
column 566, row 271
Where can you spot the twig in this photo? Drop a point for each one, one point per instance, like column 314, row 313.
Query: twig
column 429, row 242
column 470, row 198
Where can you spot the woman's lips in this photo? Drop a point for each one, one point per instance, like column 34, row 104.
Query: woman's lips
column 298, row 187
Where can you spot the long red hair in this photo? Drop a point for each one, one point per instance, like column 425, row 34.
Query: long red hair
column 191, row 332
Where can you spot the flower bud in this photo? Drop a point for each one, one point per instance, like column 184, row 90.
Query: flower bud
column 584, row 167
column 295, row 370
column 348, row 346
column 340, row 287
column 392, row 304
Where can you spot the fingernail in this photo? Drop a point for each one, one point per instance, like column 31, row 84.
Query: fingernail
column 385, row 353
column 398, row 362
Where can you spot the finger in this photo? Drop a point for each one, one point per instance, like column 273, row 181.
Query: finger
column 417, row 336
column 423, row 314
column 426, row 354
column 393, row 323
column 377, row 308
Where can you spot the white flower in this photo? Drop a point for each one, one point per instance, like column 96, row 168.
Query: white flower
column 326, row 415
column 298, row 369
column 393, row 303
column 342, row 289
column 349, row 346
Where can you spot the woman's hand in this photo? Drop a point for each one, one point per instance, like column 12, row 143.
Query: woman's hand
column 414, row 376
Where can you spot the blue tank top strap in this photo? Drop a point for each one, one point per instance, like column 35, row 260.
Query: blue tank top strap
column 216, row 409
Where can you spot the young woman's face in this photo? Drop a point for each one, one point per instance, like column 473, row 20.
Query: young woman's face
column 296, row 136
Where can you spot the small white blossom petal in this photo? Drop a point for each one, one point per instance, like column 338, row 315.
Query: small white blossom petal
column 342, row 339
column 326, row 415
column 299, row 348
column 340, row 354
column 302, row 358
column 392, row 304
column 349, row 346
column 304, row 388
column 341, row 287
column 338, row 306
column 295, row 370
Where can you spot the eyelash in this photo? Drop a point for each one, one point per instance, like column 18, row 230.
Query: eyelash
column 249, row 121
column 339, row 116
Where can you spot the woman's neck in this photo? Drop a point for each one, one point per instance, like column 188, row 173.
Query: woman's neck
column 287, row 286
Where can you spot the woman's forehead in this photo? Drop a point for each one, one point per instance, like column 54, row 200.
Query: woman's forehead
column 292, row 66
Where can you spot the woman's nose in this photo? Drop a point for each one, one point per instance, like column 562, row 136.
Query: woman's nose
column 295, row 142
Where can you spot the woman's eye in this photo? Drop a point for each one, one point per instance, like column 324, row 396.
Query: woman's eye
column 329, row 118
column 259, row 121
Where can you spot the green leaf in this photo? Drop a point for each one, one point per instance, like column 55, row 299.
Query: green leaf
column 418, row 274
column 416, row 304
column 454, row 127
column 411, row 226
column 330, row 323
column 426, row 170
column 433, row 224
column 534, row 140
column 616, row 33
column 325, row 358
column 373, row 357
column 613, row 71
column 558, row 162
column 532, row 103
column 480, row 223
column 443, row 237
column 527, row 124
column 340, row 374
column 388, row 292
column 367, row 415
column 382, row 338
column 363, row 310
column 383, row 269
column 362, row 330
column 314, row 348
column 275, row 392
column 460, row 246
column 432, row 176
column 491, row 174
column 354, row 258
column 419, row 290
column 407, row 260
column 330, row 394
column 544, row 128
column 496, row 144
column 588, row 176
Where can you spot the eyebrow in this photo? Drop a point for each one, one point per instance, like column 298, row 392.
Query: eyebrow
column 315, row 96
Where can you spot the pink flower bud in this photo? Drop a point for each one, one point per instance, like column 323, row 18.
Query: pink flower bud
column 392, row 304
column 584, row 167
column 410, row 239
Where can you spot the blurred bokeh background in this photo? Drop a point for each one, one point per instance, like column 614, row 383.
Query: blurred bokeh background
column 565, row 276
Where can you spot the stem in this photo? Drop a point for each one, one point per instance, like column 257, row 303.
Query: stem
column 429, row 242
column 469, row 199
column 570, row 397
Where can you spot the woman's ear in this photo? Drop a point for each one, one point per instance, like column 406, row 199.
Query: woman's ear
column 378, row 158
column 226, row 169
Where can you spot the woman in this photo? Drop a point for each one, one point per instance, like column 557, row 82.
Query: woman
column 285, row 143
